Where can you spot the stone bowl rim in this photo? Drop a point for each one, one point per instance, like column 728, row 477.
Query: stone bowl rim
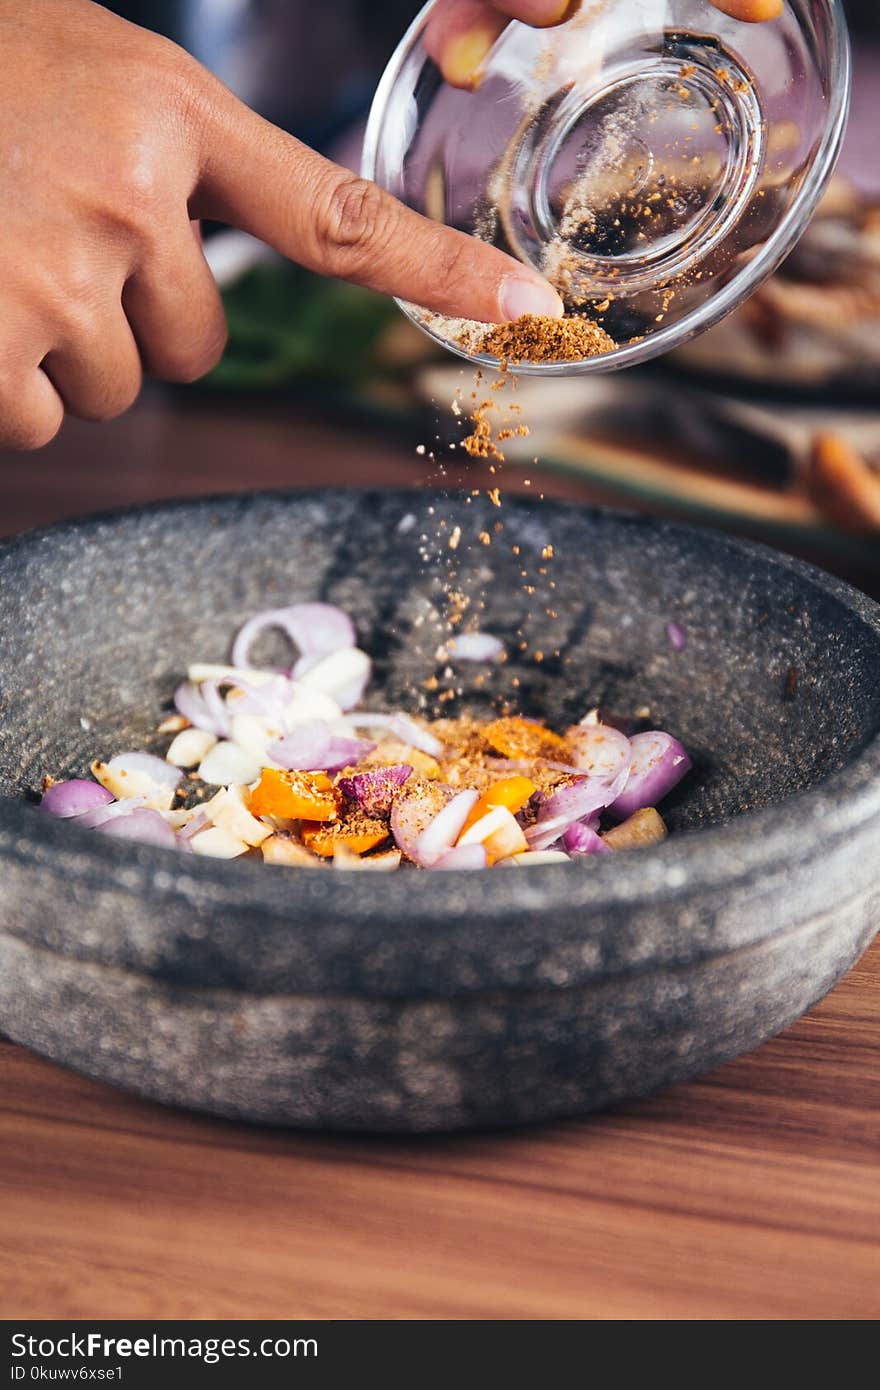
column 753, row 844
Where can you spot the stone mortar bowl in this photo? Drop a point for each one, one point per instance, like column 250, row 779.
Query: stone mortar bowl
column 415, row 1001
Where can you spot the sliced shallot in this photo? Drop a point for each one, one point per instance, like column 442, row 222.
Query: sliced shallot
column 74, row 798
column 102, row 814
column 267, row 698
column 573, row 802
column 445, row 828
column 404, row 728
column 197, row 821
column 144, row 826
column 314, row 628
column 304, row 748
column 312, row 747
column 599, row 749
column 190, row 701
column 658, row 764
column 462, row 857
column 375, row 791
column 677, row 636
column 583, row 839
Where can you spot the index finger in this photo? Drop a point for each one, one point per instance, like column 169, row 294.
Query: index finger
column 264, row 181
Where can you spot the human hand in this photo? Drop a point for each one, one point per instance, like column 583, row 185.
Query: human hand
column 112, row 142
column 460, row 33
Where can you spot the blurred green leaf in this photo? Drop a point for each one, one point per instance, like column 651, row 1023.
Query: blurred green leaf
column 286, row 325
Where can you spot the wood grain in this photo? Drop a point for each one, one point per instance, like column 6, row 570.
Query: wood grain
column 751, row 1193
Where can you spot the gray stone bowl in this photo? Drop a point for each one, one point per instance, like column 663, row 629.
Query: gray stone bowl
column 416, row 1001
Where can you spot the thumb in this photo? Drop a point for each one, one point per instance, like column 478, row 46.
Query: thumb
column 263, row 181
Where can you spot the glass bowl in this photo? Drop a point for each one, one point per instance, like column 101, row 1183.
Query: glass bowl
column 655, row 159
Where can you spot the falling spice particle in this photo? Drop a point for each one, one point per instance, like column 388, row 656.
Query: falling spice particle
column 479, row 443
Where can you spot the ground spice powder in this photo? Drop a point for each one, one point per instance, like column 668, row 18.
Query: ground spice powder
column 539, row 338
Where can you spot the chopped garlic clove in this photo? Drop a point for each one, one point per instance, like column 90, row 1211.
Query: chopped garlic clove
column 644, row 827
column 343, row 675
column 180, row 817
column 309, row 703
column 217, row 843
column 173, row 724
column 532, row 857
column 204, row 671
column 190, row 747
column 125, row 783
column 254, row 733
column 229, row 764
column 499, row 831
column 344, row 859
column 228, row 811
column 281, row 849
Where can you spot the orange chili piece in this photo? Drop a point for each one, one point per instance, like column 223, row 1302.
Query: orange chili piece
column 511, row 792
column 514, row 737
column 295, row 796
column 324, row 839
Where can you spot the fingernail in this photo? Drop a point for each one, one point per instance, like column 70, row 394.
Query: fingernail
column 549, row 12
column 519, row 296
column 464, row 56
column 750, row 11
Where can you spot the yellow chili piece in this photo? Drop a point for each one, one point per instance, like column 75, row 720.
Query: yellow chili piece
column 295, row 795
column 514, row 737
column 511, row 792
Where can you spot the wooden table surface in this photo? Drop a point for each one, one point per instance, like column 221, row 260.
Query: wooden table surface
column 751, row 1193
